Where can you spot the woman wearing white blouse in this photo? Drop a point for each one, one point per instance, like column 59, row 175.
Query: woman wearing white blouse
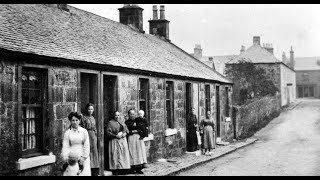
column 76, row 140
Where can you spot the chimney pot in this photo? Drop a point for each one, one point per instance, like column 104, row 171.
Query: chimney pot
column 155, row 12
column 243, row 48
column 256, row 40
column 162, row 14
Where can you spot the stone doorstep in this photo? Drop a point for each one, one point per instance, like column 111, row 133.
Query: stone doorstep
column 169, row 169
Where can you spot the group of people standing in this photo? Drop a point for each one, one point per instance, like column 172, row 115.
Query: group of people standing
column 127, row 152
column 207, row 134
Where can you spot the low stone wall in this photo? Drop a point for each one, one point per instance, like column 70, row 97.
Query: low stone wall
column 253, row 116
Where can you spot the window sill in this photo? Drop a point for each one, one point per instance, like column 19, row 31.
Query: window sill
column 170, row 132
column 27, row 163
column 149, row 138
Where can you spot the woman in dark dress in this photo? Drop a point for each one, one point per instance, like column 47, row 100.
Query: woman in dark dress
column 89, row 123
column 136, row 127
column 192, row 140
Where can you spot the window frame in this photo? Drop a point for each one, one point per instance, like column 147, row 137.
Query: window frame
column 170, row 122
column 147, row 97
column 40, row 148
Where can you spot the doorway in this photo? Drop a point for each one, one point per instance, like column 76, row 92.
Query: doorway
column 218, row 110
column 110, row 105
column 89, row 91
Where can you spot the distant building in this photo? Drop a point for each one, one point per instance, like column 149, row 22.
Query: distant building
column 281, row 73
column 308, row 77
column 215, row 62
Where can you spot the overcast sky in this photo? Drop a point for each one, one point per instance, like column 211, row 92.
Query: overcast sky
column 221, row 29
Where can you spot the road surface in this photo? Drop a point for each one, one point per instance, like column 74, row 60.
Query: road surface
column 288, row 145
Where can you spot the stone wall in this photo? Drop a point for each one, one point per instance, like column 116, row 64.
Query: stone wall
column 64, row 88
column 252, row 117
column 8, row 116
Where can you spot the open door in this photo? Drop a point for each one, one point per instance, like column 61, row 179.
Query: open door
column 110, row 104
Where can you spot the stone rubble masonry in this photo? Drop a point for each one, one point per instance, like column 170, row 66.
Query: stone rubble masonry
column 63, row 97
column 8, row 109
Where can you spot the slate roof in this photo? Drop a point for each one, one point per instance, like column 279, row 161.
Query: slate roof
column 257, row 54
column 83, row 36
column 307, row 63
column 218, row 61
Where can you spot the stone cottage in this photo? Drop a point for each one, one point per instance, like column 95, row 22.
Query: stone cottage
column 55, row 58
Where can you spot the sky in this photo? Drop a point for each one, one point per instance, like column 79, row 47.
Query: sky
column 221, row 29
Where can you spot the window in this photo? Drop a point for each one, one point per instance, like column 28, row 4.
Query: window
column 300, row 91
column 33, row 108
column 144, row 98
column 169, row 104
column 227, row 103
column 207, row 99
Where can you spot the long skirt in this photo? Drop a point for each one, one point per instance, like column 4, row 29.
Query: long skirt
column 208, row 138
column 119, row 154
column 94, row 160
column 137, row 150
column 192, row 140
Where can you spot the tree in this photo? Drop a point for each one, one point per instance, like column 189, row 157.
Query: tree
column 250, row 81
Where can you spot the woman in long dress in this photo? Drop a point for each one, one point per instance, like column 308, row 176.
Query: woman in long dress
column 76, row 140
column 209, row 142
column 119, row 160
column 192, row 140
column 89, row 123
column 137, row 149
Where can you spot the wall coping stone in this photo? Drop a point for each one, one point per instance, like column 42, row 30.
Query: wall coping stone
column 170, row 132
column 27, row 163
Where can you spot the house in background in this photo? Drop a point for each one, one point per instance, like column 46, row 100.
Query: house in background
column 215, row 62
column 55, row 58
column 307, row 77
column 281, row 72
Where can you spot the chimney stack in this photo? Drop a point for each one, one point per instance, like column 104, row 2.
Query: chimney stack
column 268, row 47
column 197, row 51
column 243, row 49
column 292, row 63
column 160, row 26
column 256, row 40
column 155, row 12
column 131, row 15
column 162, row 15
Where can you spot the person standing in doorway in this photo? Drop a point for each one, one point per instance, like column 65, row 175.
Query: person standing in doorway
column 119, row 158
column 192, row 124
column 136, row 143
column 89, row 123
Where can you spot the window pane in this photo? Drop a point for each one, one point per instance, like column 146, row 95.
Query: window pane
column 35, row 97
column 305, row 90
column 300, row 92
column 25, row 96
column 311, row 94
column 34, row 80
column 24, row 80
